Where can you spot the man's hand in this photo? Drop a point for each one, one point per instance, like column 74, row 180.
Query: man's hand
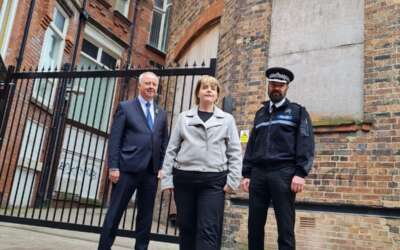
column 114, row 175
column 160, row 174
column 297, row 184
column 245, row 184
column 228, row 189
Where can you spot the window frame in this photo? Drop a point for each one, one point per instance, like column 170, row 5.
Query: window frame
column 9, row 16
column 62, row 34
column 126, row 12
column 162, row 38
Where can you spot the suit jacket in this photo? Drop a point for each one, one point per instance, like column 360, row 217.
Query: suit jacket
column 132, row 143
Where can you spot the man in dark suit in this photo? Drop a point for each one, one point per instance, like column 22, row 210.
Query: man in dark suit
column 139, row 137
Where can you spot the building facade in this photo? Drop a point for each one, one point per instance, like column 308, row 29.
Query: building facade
column 345, row 57
column 87, row 35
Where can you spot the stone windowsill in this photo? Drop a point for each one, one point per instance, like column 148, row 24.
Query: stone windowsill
column 122, row 18
column 155, row 50
column 341, row 126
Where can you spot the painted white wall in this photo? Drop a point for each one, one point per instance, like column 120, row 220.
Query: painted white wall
column 321, row 41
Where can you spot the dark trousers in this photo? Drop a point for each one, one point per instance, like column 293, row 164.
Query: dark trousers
column 146, row 185
column 267, row 186
column 200, row 210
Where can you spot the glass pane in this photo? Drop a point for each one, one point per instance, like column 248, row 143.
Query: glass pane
column 165, row 30
column 90, row 49
column 51, row 50
column 59, row 21
column 90, row 110
column 108, row 60
column 159, row 3
column 80, row 162
column 122, row 6
column 155, row 29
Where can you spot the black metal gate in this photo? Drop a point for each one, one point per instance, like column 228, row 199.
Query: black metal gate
column 53, row 140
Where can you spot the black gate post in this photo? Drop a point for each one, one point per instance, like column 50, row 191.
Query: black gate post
column 55, row 142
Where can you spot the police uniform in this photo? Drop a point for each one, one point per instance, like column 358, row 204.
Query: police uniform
column 280, row 146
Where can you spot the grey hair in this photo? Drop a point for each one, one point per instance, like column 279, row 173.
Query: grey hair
column 147, row 73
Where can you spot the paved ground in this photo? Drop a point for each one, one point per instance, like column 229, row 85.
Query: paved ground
column 24, row 237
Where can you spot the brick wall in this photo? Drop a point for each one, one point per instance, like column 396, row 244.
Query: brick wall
column 356, row 162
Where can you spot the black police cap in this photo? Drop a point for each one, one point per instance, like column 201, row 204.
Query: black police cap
column 279, row 74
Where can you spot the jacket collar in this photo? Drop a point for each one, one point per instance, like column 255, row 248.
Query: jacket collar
column 215, row 119
column 283, row 105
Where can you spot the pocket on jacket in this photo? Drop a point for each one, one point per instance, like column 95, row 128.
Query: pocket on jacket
column 129, row 149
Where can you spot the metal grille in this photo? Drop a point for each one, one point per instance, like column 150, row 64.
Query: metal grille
column 55, row 131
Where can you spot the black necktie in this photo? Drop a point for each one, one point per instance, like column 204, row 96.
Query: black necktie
column 273, row 109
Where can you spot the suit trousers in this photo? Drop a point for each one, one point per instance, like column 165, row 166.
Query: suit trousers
column 199, row 199
column 267, row 186
column 145, row 183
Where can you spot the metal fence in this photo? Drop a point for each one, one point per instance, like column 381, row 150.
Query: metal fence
column 53, row 138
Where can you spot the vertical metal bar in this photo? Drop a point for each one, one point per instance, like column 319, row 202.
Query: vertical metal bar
column 52, row 106
column 169, row 211
column 101, row 163
column 13, row 147
column 173, row 105
column 96, row 143
column 183, row 91
column 66, row 149
column 191, row 93
column 82, row 148
column 25, row 151
column 40, row 144
column 56, row 138
column 5, row 168
column 159, row 211
column 38, row 202
column 9, row 100
column 90, row 141
column 73, row 150
column 166, row 94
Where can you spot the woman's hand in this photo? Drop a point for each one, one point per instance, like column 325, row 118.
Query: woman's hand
column 228, row 189
column 160, row 174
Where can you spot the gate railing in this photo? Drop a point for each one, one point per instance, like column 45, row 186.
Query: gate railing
column 54, row 132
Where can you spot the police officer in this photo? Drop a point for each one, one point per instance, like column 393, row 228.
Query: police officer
column 279, row 155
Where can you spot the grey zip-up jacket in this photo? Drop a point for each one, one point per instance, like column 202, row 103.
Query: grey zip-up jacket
column 211, row 146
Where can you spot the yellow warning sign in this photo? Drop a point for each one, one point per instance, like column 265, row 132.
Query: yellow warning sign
column 244, row 136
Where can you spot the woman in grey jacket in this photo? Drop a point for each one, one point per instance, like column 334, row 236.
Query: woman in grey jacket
column 202, row 163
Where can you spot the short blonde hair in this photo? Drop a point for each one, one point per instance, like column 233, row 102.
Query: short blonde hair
column 209, row 80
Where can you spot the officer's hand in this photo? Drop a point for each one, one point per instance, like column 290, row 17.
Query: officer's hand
column 114, row 175
column 245, row 184
column 297, row 184
column 228, row 189
column 160, row 174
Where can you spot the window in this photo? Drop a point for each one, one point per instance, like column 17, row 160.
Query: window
column 7, row 14
column 159, row 25
column 31, row 144
column 322, row 42
column 51, row 56
column 98, row 90
column 122, row 6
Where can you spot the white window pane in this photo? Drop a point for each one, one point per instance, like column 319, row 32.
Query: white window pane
column 51, row 50
column 30, row 148
column 59, row 21
column 80, row 161
column 123, row 7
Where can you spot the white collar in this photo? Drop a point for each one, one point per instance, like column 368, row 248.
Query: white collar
column 277, row 105
column 144, row 101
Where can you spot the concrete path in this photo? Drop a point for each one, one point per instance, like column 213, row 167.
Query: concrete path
column 24, row 237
